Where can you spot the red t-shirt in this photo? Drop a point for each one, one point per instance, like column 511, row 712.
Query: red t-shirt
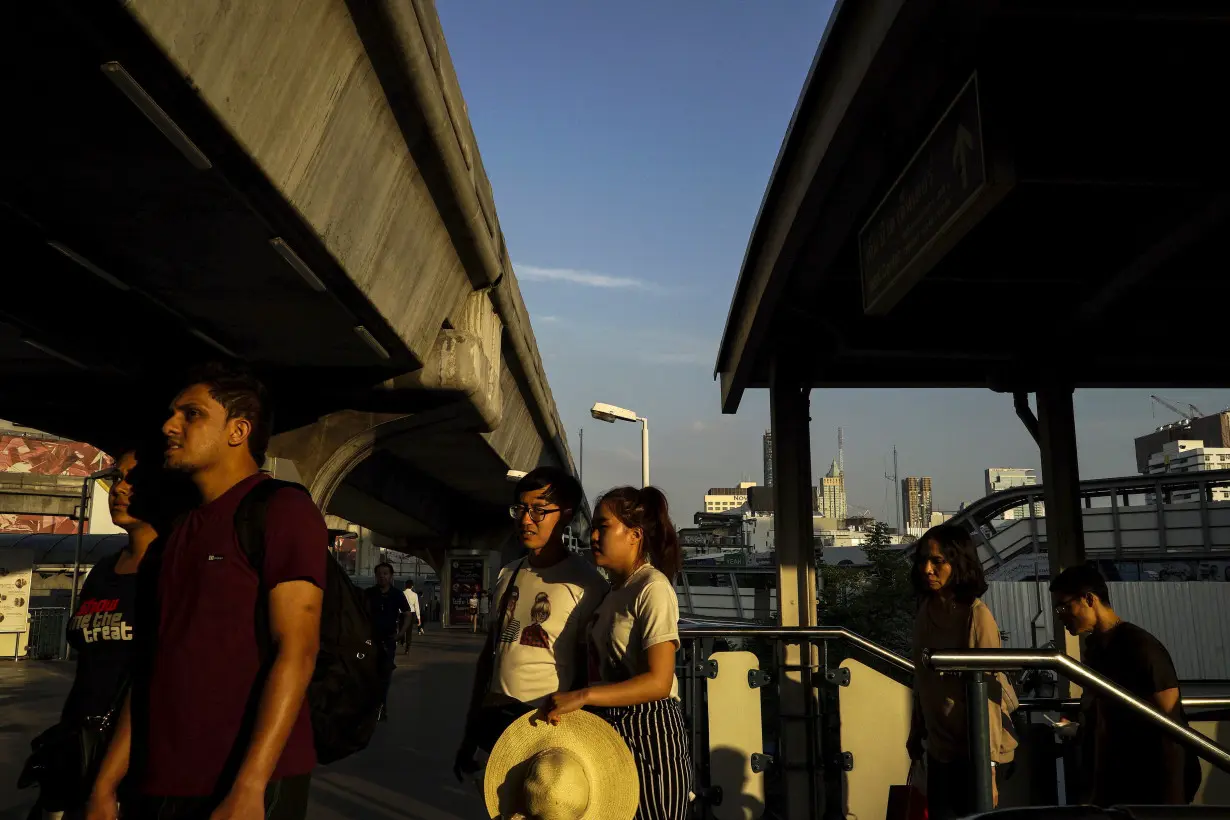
column 206, row 661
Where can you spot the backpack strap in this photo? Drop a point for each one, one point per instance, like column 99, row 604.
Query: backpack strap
column 249, row 519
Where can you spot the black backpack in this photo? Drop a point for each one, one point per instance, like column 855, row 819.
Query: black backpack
column 347, row 688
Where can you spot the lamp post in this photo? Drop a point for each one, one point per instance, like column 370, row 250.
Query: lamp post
column 611, row 414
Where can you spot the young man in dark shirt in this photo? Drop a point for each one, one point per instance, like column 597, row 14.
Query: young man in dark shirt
column 226, row 732
column 1128, row 760
column 388, row 607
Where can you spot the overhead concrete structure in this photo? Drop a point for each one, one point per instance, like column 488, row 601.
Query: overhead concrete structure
column 953, row 169
column 295, row 184
column 33, row 494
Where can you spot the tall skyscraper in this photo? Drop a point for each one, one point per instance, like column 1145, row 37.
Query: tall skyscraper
column 916, row 502
column 833, row 494
column 768, row 458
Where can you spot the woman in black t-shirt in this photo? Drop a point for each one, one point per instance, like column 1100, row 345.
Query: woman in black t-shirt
column 101, row 631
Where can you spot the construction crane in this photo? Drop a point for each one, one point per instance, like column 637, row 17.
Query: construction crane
column 1192, row 411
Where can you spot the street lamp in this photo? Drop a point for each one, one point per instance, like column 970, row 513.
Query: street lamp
column 611, row 414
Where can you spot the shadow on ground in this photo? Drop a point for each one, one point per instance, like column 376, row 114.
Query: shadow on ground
column 405, row 774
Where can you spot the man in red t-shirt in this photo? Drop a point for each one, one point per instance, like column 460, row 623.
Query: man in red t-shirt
column 225, row 734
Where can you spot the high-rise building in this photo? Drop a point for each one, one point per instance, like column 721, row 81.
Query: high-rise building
column 768, row 458
column 1213, row 431
column 1005, row 478
column 1188, row 456
column 723, row 499
column 916, row 502
column 833, row 494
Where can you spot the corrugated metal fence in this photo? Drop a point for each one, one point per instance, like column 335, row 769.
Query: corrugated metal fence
column 1191, row 618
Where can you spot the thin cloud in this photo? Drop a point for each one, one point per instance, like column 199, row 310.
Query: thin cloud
column 533, row 273
column 548, row 319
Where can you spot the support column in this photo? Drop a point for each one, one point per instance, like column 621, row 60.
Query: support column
column 1061, row 488
column 796, row 584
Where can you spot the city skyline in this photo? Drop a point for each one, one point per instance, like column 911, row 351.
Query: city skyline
column 627, row 183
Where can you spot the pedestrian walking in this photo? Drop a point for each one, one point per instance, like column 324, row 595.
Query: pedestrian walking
column 948, row 579
column 535, row 642
column 224, row 729
column 634, row 638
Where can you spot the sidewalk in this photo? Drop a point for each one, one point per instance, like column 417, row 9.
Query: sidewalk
column 405, row 774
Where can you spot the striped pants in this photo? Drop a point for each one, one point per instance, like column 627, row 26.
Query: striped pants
column 659, row 742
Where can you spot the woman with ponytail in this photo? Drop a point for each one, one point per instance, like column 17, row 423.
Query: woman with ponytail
column 634, row 636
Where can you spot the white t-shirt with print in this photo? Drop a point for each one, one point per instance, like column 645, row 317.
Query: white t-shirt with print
column 539, row 640
column 642, row 613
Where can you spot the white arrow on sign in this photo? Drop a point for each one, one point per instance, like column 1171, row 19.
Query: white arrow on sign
column 961, row 148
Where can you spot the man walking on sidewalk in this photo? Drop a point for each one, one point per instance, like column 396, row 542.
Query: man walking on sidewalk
column 541, row 606
column 388, row 607
column 221, row 728
column 414, row 615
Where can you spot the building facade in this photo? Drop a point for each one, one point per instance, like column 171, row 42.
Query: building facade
column 768, row 458
column 1189, row 456
column 832, row 495
column 916, row 503
column 1006, row 478
column 721, row 499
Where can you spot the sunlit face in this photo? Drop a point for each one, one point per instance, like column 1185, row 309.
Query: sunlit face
column 936, row 570
column 120, row 496
column 616, row 546
column 384, row 577
column 198, row 433
column 536, row 534
column 1076, row 612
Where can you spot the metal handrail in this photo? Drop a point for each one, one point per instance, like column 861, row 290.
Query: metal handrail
column 1011, row 660
column 1062, row 705
column 803, row 633
column 1016, row 496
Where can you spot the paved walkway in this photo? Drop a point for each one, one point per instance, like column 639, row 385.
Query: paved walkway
column 405, row 774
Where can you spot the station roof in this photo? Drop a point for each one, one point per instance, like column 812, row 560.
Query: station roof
column 1004, row 195
column 54, row 550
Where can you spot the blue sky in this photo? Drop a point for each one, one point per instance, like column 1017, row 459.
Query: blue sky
column 629, row 145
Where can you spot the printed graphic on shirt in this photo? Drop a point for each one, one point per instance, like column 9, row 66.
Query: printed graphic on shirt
column 100, row 619
column 535, row 634
column 511, row 625
column 539, row 632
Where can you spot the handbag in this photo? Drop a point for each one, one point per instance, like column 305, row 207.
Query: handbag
column 908, row 802
column 64, row 760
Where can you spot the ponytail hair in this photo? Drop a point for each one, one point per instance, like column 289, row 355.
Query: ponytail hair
column 648, row 511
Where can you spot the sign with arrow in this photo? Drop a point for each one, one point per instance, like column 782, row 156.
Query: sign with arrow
column 902, row 239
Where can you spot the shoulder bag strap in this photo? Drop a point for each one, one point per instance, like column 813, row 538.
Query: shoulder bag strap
column 499, row 624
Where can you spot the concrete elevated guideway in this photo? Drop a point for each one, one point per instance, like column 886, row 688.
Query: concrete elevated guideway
column 296, row 184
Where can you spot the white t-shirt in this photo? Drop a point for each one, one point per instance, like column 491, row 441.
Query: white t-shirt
column 642, row 613
column 412, row 598
column 539, row 638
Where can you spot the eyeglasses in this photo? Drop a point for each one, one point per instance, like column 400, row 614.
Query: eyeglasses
column 1064, row 607
column 537, row 514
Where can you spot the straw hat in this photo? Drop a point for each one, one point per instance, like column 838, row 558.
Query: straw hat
column 578, row 770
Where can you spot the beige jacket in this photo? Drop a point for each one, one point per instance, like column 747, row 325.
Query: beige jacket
column 941, row 698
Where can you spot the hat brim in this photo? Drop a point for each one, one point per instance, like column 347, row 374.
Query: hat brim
column 614, row 788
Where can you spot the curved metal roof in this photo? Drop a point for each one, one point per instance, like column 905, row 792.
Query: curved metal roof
column 50, row 548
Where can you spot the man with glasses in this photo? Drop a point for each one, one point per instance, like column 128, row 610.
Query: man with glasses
column 1127, row 760
column 551, row 591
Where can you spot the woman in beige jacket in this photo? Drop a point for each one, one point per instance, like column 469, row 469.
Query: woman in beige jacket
column 948, row 578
